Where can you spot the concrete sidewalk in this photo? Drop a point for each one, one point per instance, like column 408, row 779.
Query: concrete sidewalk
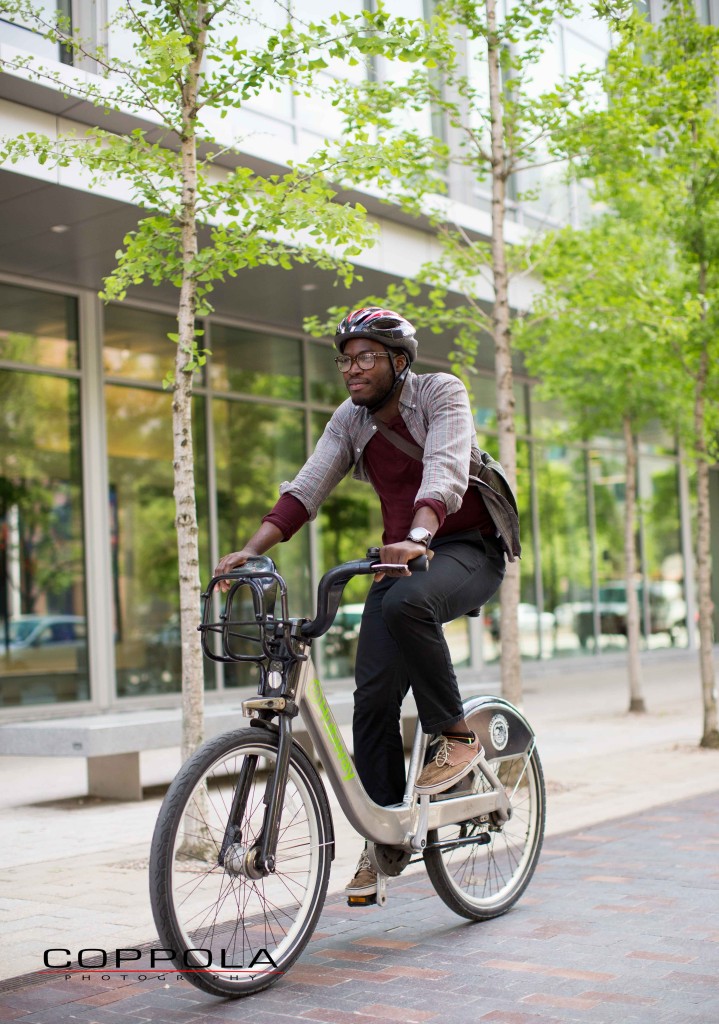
column 74, row 870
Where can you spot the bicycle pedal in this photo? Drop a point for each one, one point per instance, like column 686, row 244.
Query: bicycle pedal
column 362, row 901
column 371, row 899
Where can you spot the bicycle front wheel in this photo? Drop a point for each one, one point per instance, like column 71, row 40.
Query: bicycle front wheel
column 231, row 930
column 490, row 864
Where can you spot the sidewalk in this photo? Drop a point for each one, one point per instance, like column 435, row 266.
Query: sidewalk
column 616, row 928
column 74, row 870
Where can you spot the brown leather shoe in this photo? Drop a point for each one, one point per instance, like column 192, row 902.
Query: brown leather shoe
column 453, row 759
column 364, row 882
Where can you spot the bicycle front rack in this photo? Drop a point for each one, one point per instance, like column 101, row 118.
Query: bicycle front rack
column 240, row 625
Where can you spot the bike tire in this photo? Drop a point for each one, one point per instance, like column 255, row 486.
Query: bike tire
column 202, row 909
column 483, row 880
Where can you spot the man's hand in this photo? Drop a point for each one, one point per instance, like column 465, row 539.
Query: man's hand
column 232, row 561
column 266, row 537
column 400, row 554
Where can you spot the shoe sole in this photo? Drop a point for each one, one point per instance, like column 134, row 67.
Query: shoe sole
column 365, row 890
column 440, row 787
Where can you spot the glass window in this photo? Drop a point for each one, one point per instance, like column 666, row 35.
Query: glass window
column 543, row 191
column 549, row 420
column 255, row 364
column 253, row 28
column 122, row 41
column 483, row 396
column 43, row 648
column 257, row 447
column 143, row 540
column 664, row 605
column 21, row 30
column 544, row 75
column 528, row 613
column 326, row 382
column 316, row 113
column 350, row 521
column 589, row 25
column 566, row 554
column 136, row 344
column 38, row 328
column 609, row 487
column 304, row 12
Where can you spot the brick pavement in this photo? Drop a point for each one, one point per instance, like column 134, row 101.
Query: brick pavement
column 620, row 924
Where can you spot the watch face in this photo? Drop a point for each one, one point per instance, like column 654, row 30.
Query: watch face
column 419, row 535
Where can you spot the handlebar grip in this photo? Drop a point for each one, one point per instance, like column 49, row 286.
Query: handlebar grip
column 418, row 564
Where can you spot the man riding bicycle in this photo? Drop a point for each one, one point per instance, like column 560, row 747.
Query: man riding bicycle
column 413, row 438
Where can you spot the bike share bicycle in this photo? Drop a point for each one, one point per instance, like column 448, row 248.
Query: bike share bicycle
column 244, row 841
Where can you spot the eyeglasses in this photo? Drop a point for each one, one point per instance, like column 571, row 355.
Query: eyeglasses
column 365, row 360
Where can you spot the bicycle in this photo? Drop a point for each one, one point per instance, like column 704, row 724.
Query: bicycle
column 244, row 840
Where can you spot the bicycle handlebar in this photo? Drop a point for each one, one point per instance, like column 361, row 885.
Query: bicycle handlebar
column 332, row 585
column 265, row 584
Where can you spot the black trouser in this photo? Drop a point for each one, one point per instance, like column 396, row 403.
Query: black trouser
column 402, row 644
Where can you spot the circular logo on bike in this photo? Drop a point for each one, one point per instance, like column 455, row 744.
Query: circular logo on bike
column 499, row 732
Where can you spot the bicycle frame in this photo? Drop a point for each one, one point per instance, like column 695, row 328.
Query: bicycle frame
column 403, row 825
column 289, row 685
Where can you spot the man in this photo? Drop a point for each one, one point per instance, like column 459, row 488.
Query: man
column 413, row 438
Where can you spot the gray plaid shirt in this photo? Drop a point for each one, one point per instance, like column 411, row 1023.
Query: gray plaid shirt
column 435, row 407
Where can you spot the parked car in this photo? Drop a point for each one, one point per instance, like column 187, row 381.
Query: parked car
column 528, row 619
column 340, row 641
column 667, row 610
column 44, row 642
column 43, row 658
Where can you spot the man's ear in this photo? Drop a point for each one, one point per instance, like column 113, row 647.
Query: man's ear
column 400, row 362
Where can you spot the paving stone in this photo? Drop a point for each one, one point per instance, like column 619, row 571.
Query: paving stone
column 613, row 930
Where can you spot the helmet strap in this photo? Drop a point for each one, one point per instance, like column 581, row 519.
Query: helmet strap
column 399, row 379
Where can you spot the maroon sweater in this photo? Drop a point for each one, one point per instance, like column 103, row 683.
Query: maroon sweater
column 396, row 477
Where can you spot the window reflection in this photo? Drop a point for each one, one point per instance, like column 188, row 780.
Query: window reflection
column 350, row 521
column 43, row 647
column 38, row 328
column 663, row 599
column 20, row 29
column 326, row 384
column 255, row 363
column 565, row 548
column 143, row 541
column 483, row 396
column 136, row 344
column 257, row 447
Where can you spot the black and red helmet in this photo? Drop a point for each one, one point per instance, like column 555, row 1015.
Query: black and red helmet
column 382, row 325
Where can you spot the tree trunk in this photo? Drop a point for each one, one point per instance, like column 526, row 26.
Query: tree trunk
column 636, row 700
column 710, row 735
column 183, row 460
column 502, row 336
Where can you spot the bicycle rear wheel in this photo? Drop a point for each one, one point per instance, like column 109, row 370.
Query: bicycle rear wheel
column 233, row 934
column 490, row 867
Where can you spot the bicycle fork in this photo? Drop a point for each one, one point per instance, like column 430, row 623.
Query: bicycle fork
column 259, row 860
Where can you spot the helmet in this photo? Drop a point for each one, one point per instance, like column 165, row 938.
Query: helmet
column 382, row 325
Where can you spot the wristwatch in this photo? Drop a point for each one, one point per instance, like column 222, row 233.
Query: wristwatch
column 418, row 535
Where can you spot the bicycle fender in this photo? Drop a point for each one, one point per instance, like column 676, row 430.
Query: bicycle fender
column 503, row 731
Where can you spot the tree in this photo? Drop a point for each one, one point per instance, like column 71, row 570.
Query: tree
column 206, row 215
column 660, row 152
column 591, row 339
column 498, row 127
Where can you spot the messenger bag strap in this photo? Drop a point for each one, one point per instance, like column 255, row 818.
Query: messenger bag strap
column 413, row 450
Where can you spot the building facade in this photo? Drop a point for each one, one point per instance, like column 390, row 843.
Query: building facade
column 88, row 576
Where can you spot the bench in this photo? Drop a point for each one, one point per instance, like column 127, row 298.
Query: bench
column 112, row 742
